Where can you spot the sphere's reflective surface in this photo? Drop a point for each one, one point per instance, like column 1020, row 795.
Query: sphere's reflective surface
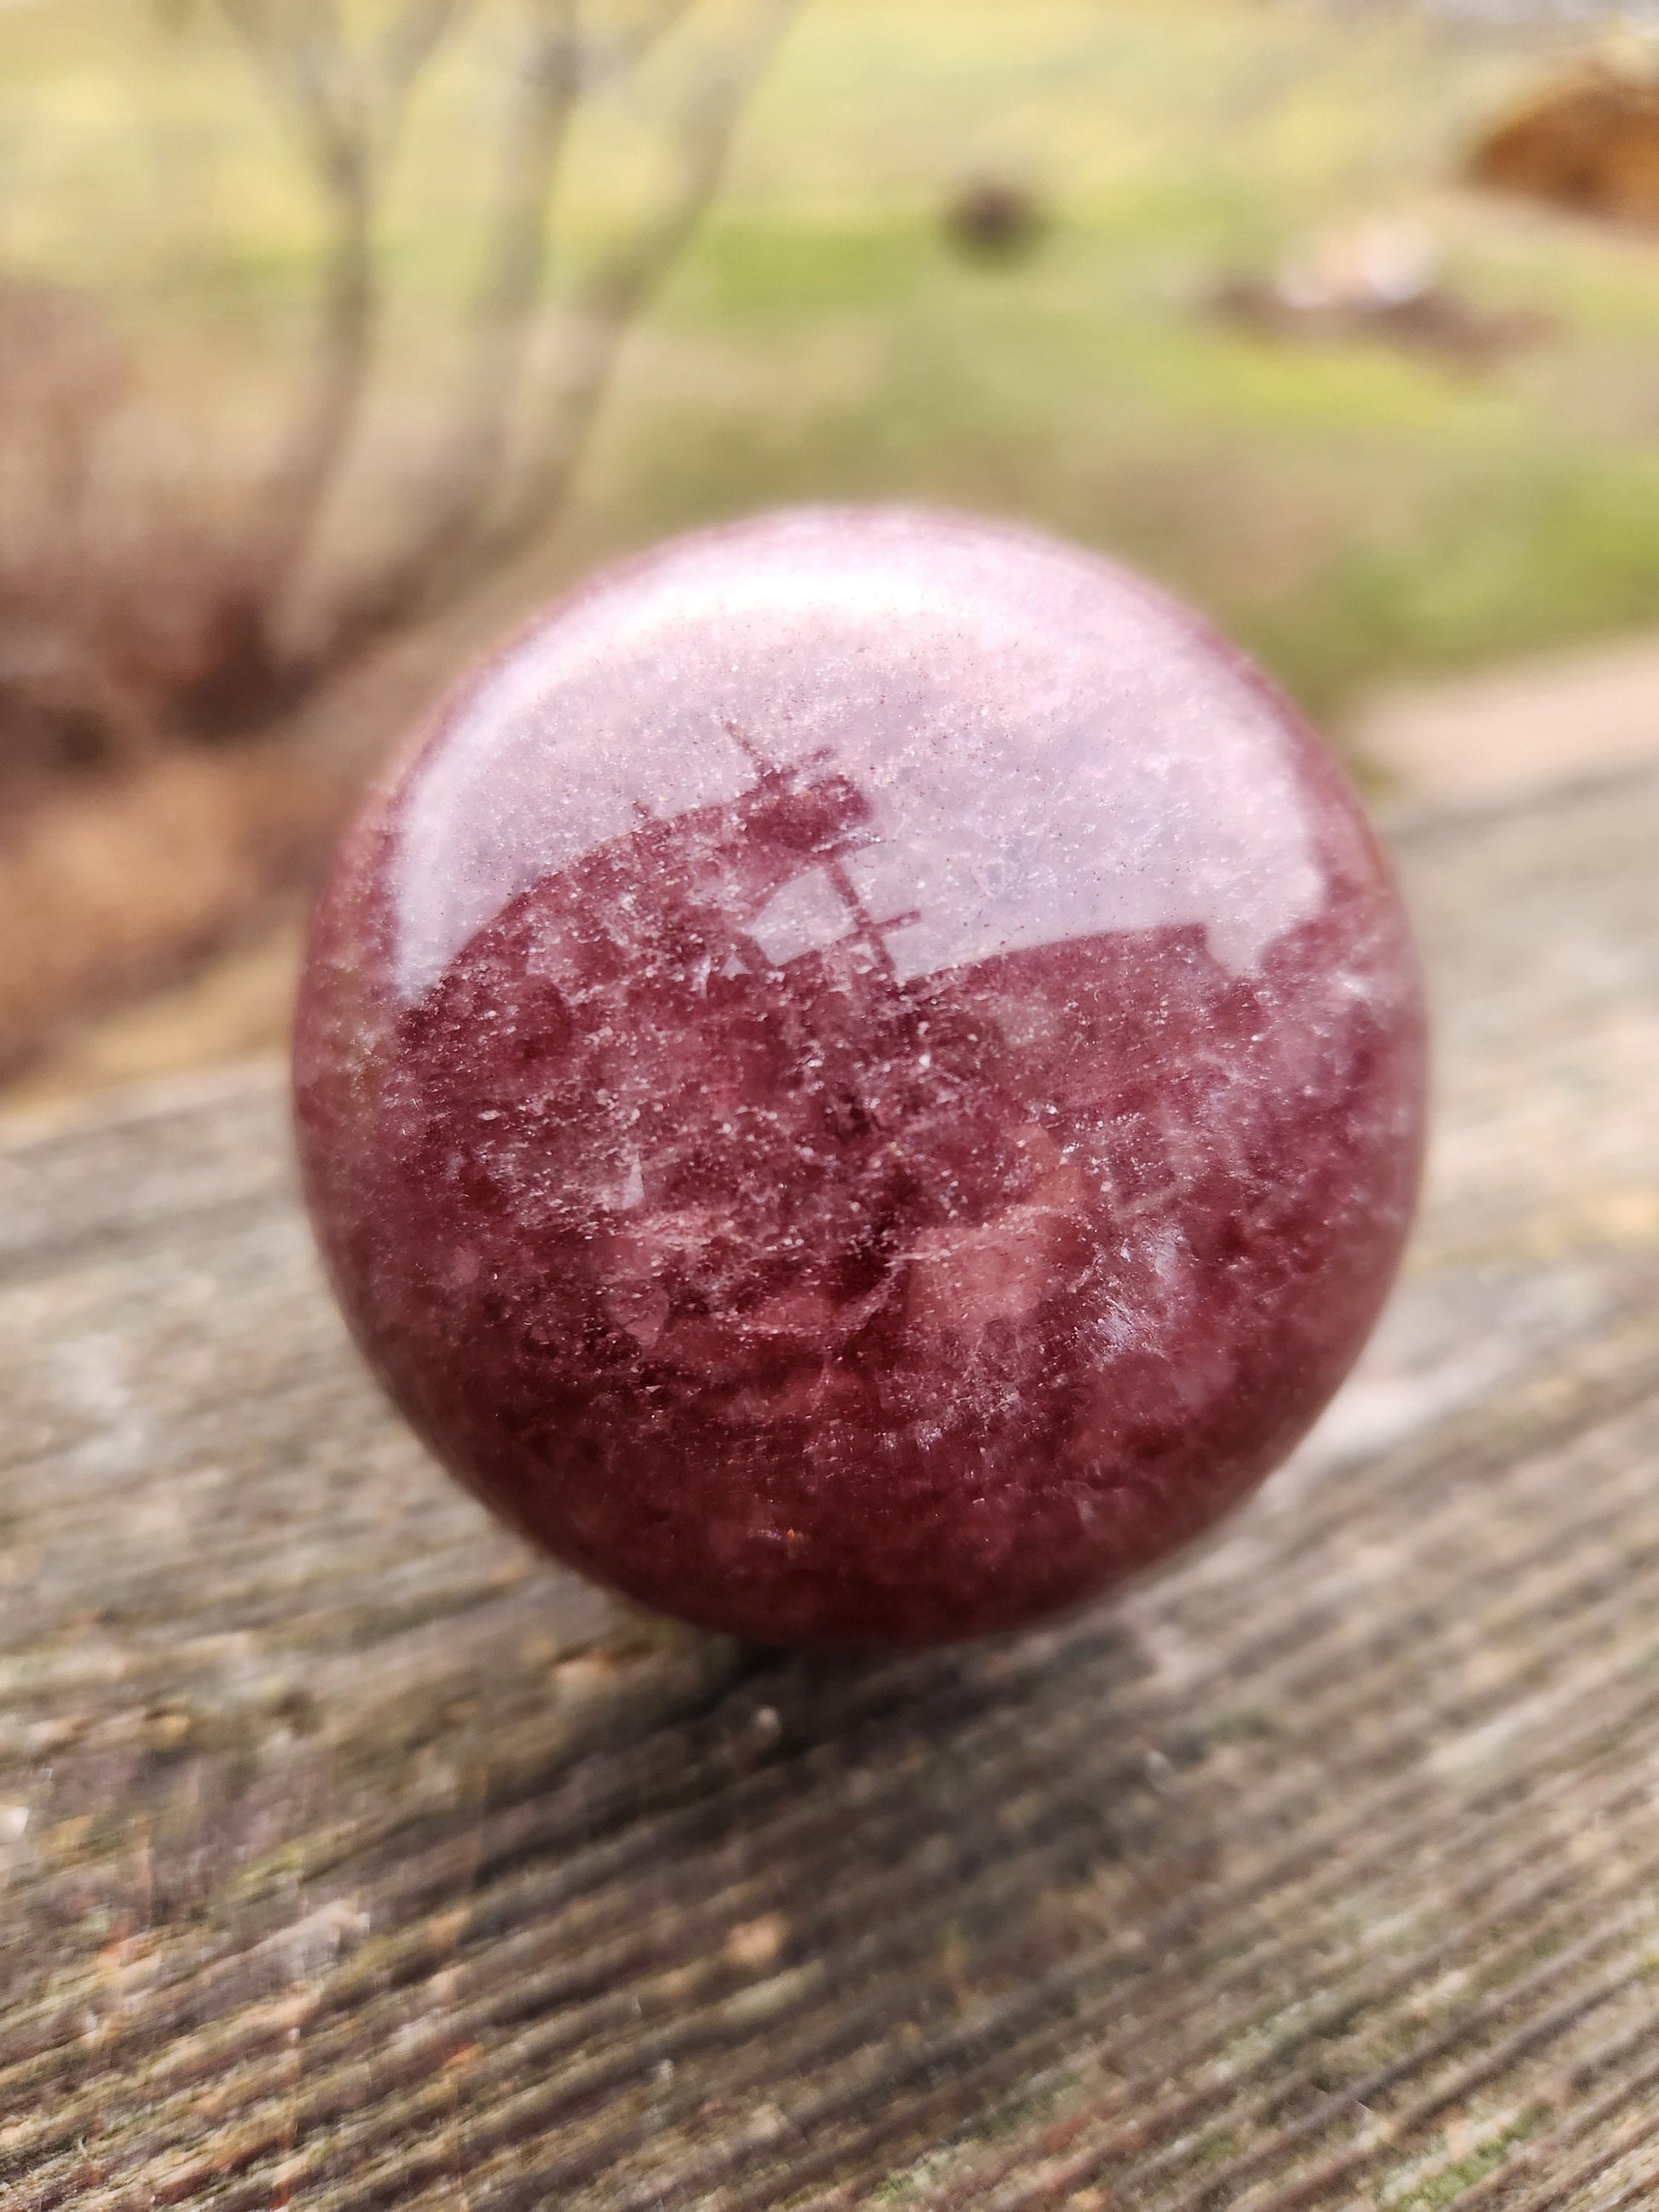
column 864, row 1079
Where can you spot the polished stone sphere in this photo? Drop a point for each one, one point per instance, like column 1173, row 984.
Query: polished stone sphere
column 862, row 1080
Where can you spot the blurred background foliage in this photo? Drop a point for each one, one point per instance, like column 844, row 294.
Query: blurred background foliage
column 1352, row 509
column 1249, row 323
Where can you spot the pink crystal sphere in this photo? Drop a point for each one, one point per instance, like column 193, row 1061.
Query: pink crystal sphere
column 863, row 1078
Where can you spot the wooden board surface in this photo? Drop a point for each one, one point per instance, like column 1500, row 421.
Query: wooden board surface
column 350, row 1858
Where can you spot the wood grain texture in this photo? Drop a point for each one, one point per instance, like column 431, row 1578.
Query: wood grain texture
column 349, row 1858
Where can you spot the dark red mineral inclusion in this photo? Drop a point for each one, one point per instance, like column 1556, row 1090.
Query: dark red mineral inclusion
column 863, row 1080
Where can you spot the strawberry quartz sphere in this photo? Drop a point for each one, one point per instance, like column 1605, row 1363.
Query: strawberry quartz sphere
column 862, row 1080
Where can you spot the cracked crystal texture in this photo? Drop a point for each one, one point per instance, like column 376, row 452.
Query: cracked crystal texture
column 863, row 1080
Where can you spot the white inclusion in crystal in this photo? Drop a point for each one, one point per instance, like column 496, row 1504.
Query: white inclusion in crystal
column 807, row 916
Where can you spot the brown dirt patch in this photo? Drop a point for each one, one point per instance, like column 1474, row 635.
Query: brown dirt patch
column 115, row 884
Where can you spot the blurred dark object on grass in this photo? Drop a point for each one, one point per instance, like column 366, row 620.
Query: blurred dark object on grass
column 995, row 219
column 1589, row 143
column 1379, row 281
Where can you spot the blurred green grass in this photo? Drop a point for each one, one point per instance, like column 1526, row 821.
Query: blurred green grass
column 1353, row 512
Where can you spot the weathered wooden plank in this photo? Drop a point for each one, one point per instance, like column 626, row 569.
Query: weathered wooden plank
column 352, row 1859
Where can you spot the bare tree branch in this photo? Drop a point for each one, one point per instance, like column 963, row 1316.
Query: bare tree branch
column 549, row 85
column 414, row 38
column 627, row 48
column 348, row 114
column 616, row 293
column 473, row 521
column 562, row 66
column 258, row 634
